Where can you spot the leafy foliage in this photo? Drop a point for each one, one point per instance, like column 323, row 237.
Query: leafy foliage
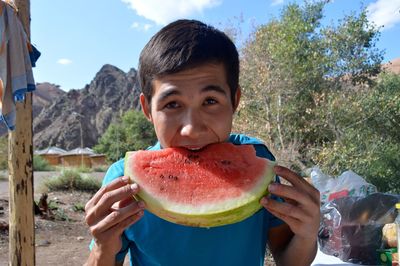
column 40, row 164
column 134, row 132
column 3, row 153
column 368, row 141
column 72, row 180
column 311, row 92
column 290, row 65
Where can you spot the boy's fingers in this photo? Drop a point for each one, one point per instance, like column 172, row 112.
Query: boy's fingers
column 115, row 217
column 119, row 228
column 290, row 194
column 117, row 183
column 298, row 182
column 284, row 209
column 108, row 199
column 125, row 202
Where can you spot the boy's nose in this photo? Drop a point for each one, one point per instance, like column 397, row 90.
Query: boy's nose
column 193, row 126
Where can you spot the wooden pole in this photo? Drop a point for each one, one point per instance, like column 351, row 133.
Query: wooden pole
column 20, row 154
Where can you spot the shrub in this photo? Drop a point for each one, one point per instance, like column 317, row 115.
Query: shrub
column 72, row 180
column 40, row 164
column 3, row 177
column 3, row 153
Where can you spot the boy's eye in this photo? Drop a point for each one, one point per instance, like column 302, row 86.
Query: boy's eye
column 172, row 105
column 210, row 101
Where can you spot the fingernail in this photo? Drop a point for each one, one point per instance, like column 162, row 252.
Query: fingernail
column 140, row 213
column 141, row 204
column 134, row 187
column 125, row 178
column 272, row 187
column 264, row 201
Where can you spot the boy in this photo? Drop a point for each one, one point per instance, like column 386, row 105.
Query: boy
column 189, row 79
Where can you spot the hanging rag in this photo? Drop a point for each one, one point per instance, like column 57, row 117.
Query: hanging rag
column 17, row 56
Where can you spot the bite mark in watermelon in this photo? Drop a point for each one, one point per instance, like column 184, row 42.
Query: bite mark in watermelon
column 220, row 184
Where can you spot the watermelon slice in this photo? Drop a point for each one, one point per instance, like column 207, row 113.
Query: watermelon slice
column 220, row 184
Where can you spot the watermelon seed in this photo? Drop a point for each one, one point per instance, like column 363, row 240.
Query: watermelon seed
column 162, row 176
column 173, row 177
column 193, row 156
column 225, row 162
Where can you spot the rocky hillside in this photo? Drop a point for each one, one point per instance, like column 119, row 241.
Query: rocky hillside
column 44, row 96
column 88, row 111
column 393, row 66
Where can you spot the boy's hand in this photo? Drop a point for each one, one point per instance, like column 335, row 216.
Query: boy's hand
column 111, row 210
column 301, row 209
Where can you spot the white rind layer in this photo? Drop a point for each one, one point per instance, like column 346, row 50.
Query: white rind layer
column 207, row 214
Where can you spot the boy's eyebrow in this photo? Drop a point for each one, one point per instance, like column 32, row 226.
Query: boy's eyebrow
column 214, row 88
column 167, row 93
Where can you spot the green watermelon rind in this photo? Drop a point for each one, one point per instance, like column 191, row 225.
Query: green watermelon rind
column 238, row 210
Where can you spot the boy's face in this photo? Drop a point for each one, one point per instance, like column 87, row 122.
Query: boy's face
column 191, row 108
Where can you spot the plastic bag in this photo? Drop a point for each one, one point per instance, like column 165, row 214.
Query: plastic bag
column 351, row 227
column 347, row 184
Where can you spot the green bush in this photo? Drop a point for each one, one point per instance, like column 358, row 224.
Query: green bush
column 100, row 168
column 40, row 164
column 83, row 169
column 3, row 177
column 71, row 179
column 133, row 132
column 3, row 153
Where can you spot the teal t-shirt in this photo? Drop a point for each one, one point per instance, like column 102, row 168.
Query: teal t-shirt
column 154, row 241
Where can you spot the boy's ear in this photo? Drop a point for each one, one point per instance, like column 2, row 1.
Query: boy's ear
column 145, row 107
column 238, row 94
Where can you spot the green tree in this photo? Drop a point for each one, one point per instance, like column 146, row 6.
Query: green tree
column 290, row 66
column 133, row 132
column 368, row 139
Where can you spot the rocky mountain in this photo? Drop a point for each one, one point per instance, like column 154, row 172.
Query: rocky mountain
column 393, row 66
column 44, row 96
column 87, row 112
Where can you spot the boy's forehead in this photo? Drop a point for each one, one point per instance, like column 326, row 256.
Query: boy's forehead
column 205, row 75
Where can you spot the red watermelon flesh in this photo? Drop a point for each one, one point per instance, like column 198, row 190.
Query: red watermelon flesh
column 217, row 185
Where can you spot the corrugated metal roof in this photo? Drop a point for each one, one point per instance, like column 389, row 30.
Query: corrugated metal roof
column 50, row 150
column 79, row 151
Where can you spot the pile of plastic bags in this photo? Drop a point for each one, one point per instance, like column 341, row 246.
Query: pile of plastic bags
column 353, row 214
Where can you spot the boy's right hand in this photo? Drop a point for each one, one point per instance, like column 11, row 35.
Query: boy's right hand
column 111, row 210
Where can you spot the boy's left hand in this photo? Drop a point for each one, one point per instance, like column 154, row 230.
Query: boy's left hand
column 301, row 207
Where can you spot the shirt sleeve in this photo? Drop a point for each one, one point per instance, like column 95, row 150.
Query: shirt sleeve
column 115, row 171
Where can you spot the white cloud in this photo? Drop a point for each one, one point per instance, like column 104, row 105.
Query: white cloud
column 141, row 27
column 384, row 13
column 277, row 2
column 165, row 11
column 64, row 61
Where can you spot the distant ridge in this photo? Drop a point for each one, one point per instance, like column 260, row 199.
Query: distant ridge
column 393, row 66
column 90, row 109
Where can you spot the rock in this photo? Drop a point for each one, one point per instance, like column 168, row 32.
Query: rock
column 80, row 238
column 3, row 225
column 43, row 243
column 97, row 105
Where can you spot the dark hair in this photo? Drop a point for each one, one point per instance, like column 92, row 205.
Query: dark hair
column 183, row 44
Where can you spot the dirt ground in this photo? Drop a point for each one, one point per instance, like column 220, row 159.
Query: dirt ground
column 60, row 241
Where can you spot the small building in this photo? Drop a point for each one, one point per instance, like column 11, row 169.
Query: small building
column 97, row 160
column 77, row 157
column 51, row 155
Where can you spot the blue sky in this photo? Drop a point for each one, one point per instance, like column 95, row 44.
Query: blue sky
column 77, row 37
